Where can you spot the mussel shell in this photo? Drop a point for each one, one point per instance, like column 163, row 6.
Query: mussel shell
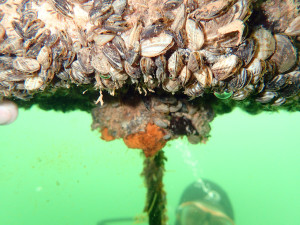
column 285, row 56
column 26, row 65
column 195, row 62
column 33, row 83
column 195, row 35
column 246, row 50
column 266, row 97
column 171, row 4
column 84, row 58
column 294, row 27
column 157, row 45
column 266, row 43
column 212, row 9
column 277, row 83
column 225, row 67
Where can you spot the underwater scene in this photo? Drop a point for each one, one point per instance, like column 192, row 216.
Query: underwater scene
column 55, row 170
column 149, row 112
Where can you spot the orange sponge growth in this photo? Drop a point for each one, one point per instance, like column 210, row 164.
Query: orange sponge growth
column 150, row 141
column 106, row 136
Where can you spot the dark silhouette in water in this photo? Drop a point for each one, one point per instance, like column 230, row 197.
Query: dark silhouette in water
column 202, row 203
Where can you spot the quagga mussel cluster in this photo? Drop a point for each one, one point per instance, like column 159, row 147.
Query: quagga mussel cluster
column 191, row 47
column 180, row 46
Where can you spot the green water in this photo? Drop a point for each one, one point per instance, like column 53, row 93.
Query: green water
column 55, row 171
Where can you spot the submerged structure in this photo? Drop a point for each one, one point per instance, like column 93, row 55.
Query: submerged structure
column 151, row 70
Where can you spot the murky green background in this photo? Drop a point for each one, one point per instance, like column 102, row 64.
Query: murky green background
column 55, row 171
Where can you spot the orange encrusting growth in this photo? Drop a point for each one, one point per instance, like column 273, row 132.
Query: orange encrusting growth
column 150, row 141
column 106, row 136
